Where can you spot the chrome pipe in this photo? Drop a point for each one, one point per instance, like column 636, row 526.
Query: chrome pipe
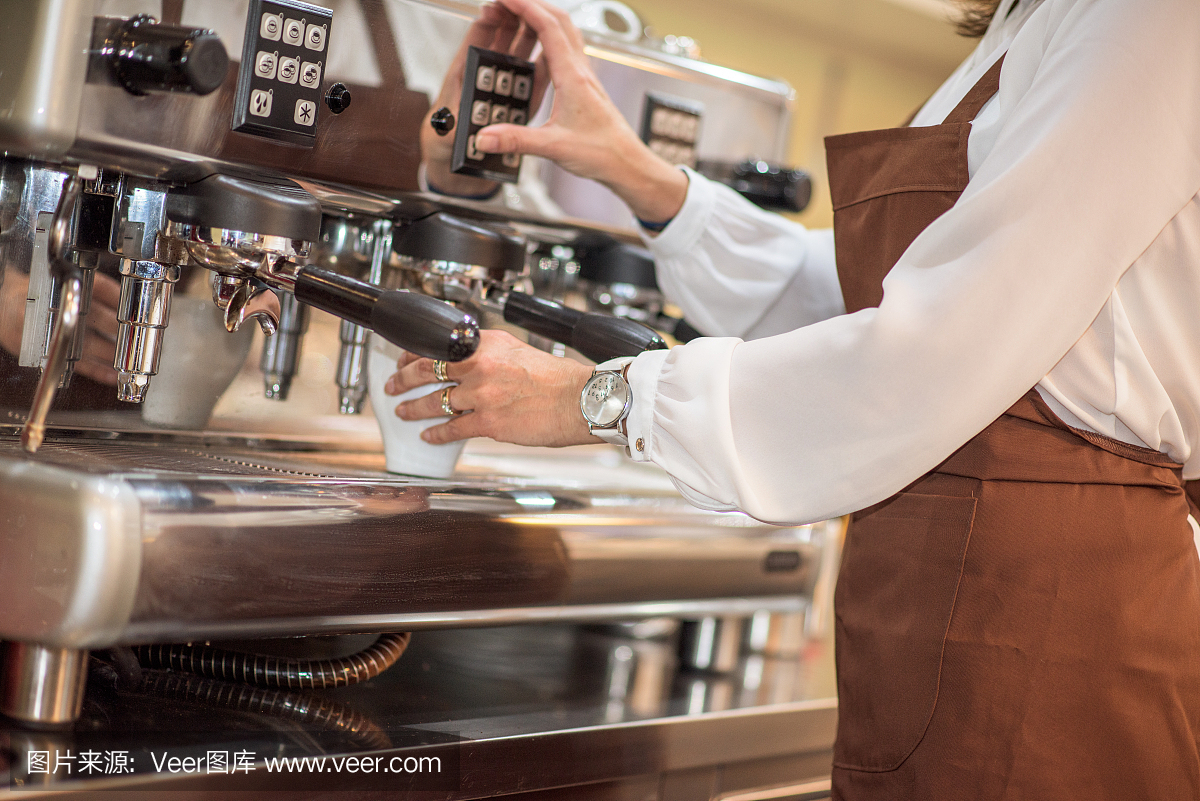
column 42, row 685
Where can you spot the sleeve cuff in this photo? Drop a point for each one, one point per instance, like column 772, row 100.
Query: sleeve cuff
column 685, row 230
column 643, row 383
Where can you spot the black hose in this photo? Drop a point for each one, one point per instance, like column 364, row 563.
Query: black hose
column 295, row 707
column 270, row 671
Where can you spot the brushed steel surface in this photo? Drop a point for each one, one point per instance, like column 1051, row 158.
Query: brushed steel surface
column 228, row 542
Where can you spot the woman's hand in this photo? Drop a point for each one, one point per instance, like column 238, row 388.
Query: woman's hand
column 514, row 393
column 495, row 29
column 586, row 134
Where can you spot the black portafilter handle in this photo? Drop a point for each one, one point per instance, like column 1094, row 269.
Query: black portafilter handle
column 599, row 337
column 418, row 323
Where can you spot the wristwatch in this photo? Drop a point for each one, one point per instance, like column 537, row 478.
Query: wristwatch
column 606, row 400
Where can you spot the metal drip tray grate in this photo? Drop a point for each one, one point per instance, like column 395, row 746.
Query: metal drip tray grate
column 151, row 458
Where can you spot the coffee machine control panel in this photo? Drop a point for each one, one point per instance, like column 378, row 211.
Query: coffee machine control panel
column 496, row 88
column 283, row 61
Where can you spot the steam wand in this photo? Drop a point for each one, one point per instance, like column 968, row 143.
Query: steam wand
column 71, row 279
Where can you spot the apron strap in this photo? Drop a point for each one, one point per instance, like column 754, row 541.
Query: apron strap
column 977, row 98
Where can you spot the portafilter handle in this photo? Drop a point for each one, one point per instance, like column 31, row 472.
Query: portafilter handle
column 599, row 337
column 417, row 323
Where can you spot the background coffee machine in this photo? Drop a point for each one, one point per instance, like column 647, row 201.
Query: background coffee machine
column 262, row 157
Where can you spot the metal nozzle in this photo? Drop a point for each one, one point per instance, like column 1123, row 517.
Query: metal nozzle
column 352, row 368
column 281, row 352
column 142, row 312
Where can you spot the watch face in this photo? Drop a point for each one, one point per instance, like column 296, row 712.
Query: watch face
column 605, row 398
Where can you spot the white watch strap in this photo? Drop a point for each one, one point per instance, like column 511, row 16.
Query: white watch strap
column 616, row 435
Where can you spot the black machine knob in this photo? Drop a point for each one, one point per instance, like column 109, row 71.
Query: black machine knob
column 338, row 98
column 148, row 56
column 442, row 121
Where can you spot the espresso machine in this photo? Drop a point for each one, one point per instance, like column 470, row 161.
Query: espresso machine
column 260, row 159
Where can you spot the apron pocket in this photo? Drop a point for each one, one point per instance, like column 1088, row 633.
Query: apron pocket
column 895, row 595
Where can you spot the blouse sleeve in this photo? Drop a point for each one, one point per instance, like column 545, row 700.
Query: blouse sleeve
column 1097, row 150
column 736, row 270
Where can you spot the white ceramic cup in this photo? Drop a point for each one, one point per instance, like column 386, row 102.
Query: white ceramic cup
column 406, row 452
column 198, row 362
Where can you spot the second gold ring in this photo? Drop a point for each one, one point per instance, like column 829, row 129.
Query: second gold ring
column 446, row 407
column 439, row 370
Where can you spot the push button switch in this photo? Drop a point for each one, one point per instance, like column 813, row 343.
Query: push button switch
column 315, row 38
column 504, row 83
column 481, row 112
column 260, row 103
column 289, row 69
column 485, row 79
column 522, row 87
column 293, row 31
column 271, row 27
column 310, row 74
column 264, row 64
column 306, row 112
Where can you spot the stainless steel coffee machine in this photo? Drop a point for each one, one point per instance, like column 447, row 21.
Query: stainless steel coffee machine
column 262, row 156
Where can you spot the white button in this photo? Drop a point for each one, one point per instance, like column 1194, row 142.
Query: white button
column 306, row 112
column 315, row 39
column 499, row 114
column 504, row 82
column 512, row 159
column 293, row 31
column 686, row 155
column 485, row 79
column 289, row 68
column 516, row 116
column 522, row 87
column 264, row 64
column 271, row 27
column 260, row 103
column 481, row 112
column 310, row 74
column 689, row 129
column 472, row 153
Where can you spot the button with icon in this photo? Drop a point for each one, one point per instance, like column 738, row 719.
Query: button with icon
column 293, row 31
column 315, row 38
column 271, row 27
column 289, row 69
column 306, row 112
column 264, row 64
column 260, row 103
column 310, row 74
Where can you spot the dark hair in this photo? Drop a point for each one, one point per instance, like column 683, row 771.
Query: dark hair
column 977, row 15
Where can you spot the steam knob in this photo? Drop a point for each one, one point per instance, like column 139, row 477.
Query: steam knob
column 442, row 121
column 338, row 98
column 147, row 56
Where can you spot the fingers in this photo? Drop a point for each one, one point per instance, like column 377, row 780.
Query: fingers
column 559, row 37
column 97, row 360
column 507, row 138
column 524, row 42
column 415, row 371
column 430, row 406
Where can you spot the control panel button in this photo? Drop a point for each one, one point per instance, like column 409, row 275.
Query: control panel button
column 293, row 31
column 271, row 27
column 260, row 103
column 472, row 153
column 265, row 63
column 499, row 114
column 289, row 69
column 310, row 74
column 504, row 83
column 315, row 38
column 511, row 160
column 516, row 116
column 306, row 112
column 481, row 112
column 522, row 87
column 485, row 79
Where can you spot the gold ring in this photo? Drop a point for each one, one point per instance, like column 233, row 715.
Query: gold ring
column 439, row 370
column 446, row 407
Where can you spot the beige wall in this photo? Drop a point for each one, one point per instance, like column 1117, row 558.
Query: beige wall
column 855, row 64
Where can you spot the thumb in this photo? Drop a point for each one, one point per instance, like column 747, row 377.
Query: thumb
column 506, row 138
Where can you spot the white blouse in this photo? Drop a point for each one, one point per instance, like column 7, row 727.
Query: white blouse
column 1071, row 262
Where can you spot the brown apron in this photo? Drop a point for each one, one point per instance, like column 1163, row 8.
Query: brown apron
column 1024, row 621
